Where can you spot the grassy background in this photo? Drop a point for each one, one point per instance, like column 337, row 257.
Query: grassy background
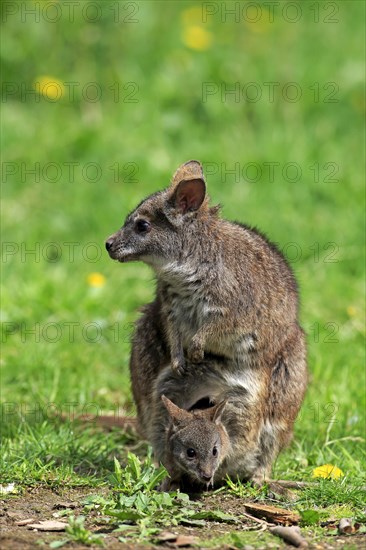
column 162, row 62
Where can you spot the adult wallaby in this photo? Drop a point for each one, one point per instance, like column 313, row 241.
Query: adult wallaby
column 223, row 290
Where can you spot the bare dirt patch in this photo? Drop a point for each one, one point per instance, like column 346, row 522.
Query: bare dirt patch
column 41, row 503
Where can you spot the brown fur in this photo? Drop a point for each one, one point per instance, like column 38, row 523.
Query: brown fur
column 225, row 313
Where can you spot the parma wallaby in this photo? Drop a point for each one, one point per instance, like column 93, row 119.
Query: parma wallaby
column 223, row 291
column 193, row 446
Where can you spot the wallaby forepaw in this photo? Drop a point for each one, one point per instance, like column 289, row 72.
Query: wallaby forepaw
column 195, row 354
column 168, row 485
column 179, row 365
column 259, row 479
column 164, row 485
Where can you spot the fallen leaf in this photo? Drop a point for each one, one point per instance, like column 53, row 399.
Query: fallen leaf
column 68, row 504
column 5, row 489
column 24, row 521
column 272, row 513
column 165, row 536
column 183, row 540
column 48, row 525
column 346, row 526
column 215, row 515
column 291, row 535
column 329, row 525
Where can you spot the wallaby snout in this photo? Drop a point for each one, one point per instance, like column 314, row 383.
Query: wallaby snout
column 123, row 246
column 109, row 243
column 112, row 245
column 206, row 476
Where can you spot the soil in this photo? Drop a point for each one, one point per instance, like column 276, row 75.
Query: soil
column 40, row 503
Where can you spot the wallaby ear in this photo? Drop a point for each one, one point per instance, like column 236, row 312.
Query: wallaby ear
column 217, row 410
column 189, row 195
column 188, row 188
column 176, row 414
column 190, row 170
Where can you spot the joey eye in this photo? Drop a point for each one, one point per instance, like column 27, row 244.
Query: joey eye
column 191, row 453
column 142, row 226
column 214, row 451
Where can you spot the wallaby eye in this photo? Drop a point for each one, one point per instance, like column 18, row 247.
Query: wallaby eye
column 214, row 451
column 142, row 226
column 191, row 453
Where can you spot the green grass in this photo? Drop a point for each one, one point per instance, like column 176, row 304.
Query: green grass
column 65, row 345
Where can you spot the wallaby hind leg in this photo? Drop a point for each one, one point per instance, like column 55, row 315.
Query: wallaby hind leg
column 149, row 355
column 287, row 387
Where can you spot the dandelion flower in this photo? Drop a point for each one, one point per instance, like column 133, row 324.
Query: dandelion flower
column 196, row 38
column 51, row 88
column 96, row 280
column 351, row 310
column 328, row 471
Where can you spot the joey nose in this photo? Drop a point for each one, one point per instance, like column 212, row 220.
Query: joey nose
column 206, row 477
column 109, row 244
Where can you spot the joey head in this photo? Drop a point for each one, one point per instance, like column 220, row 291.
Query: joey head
column 196, row 444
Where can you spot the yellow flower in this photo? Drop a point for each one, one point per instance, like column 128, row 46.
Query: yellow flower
column 351, row 310
column 192, row 16
column 96, row 280
column 49, row 87
column 328, row 471
column 196, row 38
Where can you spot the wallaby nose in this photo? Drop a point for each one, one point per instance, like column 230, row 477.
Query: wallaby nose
column 109, row 243
column 206, row 477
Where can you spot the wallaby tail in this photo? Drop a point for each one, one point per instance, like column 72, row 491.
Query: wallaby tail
column 126, row 423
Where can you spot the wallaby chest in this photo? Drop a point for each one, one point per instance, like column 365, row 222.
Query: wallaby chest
column 186, row 305
column 190, row 307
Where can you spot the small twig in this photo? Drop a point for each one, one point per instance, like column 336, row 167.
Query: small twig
column 290, row 535
column 254, row 528
column 257, row 520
